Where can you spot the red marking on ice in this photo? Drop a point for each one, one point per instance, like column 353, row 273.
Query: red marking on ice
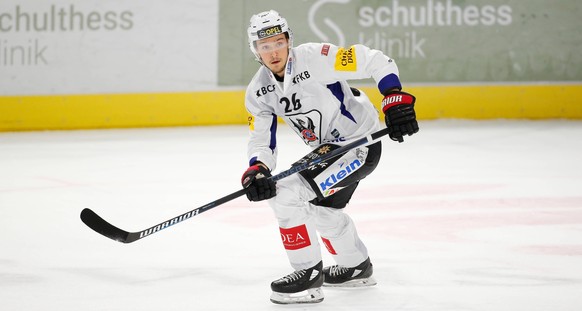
column 54, row 183
column 448, row 219
column 421, row 190
column 242, row 213
column 467, row 204
column 561, row 250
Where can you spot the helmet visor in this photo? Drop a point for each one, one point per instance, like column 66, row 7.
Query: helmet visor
column 271, row 44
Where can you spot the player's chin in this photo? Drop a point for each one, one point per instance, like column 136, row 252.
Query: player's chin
column 276, row 67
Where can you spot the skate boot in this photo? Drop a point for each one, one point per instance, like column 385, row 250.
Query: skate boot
column 340, row 276
column 302, row 286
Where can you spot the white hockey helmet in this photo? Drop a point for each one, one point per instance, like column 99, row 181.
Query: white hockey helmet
column 267, row 24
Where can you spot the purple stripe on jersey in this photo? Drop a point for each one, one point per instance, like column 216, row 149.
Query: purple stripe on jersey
column 336, row 90
column 389, row 82
column 273, row 139
column 252, row 161
column 273, row 143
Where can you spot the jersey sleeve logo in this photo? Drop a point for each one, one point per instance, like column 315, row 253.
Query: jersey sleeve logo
column 345, row 60
column 251, row 121
column 325, row 49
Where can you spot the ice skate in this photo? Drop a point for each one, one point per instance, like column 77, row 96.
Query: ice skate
column 302, row 286
column 340, row 276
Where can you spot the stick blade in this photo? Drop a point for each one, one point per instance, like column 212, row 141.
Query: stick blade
column 101, row 226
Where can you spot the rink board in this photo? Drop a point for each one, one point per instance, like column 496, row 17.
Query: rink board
column 61, row 112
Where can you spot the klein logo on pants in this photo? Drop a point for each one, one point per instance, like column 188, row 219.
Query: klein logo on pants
column 295, row 238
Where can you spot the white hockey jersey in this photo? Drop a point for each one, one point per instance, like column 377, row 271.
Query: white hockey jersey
column 314, row 99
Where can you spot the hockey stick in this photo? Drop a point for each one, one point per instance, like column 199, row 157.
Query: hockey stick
column 101, row 226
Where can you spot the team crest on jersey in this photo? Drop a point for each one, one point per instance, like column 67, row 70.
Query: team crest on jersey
column 306, row 129
column 307, row 125
column 345, row 60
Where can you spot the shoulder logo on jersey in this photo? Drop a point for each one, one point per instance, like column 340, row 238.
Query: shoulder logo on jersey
column 251, row 121
column 325, row 49
column 264, row 90
column 345, row 60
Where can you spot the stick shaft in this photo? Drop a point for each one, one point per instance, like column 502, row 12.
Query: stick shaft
column 101, row 226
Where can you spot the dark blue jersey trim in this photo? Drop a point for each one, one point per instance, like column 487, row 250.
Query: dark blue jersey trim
column 388, row 83
column 336, row 90
column 273, row 143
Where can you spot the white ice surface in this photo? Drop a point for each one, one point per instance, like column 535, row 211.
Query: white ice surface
column 463, row 216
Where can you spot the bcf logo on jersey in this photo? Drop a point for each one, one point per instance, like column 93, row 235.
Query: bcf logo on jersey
column 295, row 238
column 264, row 90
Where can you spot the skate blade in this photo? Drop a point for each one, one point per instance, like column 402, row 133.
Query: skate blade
column 312, row 295
column 354, row 283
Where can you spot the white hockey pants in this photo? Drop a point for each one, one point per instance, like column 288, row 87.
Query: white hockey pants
column 300, row 221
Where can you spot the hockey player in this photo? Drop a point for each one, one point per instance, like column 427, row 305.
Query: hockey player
column 306, row 86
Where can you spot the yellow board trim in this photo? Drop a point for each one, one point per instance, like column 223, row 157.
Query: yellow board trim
column 63, row 112
column 495, row 101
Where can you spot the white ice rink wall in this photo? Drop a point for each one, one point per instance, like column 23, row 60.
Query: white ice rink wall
column 121, row 63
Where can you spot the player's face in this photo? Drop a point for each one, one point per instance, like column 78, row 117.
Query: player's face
column 274, row 52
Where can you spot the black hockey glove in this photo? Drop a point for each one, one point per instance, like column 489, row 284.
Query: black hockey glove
column 259, row 186
column 400, row 116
